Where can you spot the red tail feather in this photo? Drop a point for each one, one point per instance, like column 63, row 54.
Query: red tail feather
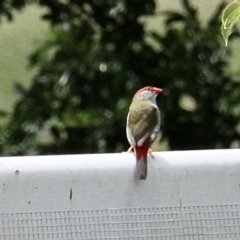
column 141, row 156
column 141, row 152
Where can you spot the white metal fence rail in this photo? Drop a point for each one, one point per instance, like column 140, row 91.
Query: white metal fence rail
column 187, row 195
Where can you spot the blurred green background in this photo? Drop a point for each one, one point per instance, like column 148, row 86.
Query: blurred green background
column 19, row 38
column 88, row 58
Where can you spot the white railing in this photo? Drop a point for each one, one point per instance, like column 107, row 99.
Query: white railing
column 187, row 195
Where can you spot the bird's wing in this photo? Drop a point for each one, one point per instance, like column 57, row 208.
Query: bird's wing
column 156, row 131
column 142, row 120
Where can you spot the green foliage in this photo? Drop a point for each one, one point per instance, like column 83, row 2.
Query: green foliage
column 82, row 92
column 8, row 6
column 99, row 55
column 193, row 68
column 230, row 17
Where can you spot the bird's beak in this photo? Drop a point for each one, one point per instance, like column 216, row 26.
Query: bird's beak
column 157, row 90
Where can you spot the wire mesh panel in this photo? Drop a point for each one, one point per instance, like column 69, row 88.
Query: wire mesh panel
column 220, row 222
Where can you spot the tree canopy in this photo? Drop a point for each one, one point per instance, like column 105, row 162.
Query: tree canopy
column 99, row 54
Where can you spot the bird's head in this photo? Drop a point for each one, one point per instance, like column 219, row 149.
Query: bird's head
column 149, row 93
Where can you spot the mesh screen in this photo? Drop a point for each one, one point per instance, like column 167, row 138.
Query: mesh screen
column 221, row 222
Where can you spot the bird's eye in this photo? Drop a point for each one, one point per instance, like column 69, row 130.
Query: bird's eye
column 148, row 88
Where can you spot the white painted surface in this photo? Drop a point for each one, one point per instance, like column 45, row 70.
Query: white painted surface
column 103, row 181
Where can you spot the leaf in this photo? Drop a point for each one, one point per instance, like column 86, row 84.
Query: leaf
column 3, row 113
column 189, row 8
column 230, row 16
column 173, row 17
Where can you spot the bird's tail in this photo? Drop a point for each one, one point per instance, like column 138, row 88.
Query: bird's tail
column 141, row 156
column 142, row 168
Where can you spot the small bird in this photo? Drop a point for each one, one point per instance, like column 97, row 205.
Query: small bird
column 143, row 126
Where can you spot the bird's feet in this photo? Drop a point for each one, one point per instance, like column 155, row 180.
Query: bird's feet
column 150, row 153
column 130, row 150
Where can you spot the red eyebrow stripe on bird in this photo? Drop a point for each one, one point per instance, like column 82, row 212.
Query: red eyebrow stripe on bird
column 143, row 89
column 150, row 88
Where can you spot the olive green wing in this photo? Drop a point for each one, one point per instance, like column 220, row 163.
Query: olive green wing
column 142, row 119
